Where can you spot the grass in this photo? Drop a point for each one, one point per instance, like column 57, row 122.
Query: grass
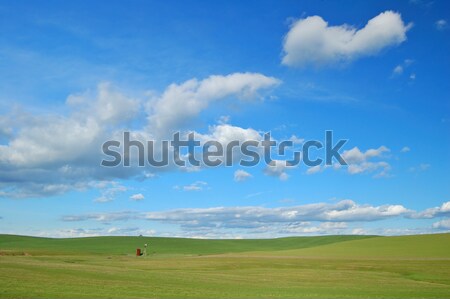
column 159, row 246
column 313, row 267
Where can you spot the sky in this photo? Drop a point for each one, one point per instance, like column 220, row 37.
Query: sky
column 75, row 74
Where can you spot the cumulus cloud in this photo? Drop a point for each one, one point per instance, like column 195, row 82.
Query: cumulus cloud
column 443, row 224
column 359, row 162
column 137, row 197
column 442, row 211
column 241, row 175
column 51, row 139
column 180, row 103
column 313, row 41
column 342, row 211
column 278, row 168
column 107, row 105
column 355, row 156
column 225, row 134
column 50, row 154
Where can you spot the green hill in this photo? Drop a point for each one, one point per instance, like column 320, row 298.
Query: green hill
column 164, row 246
column 416, row 246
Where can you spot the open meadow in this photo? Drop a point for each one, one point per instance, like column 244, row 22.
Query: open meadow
column 313, row 267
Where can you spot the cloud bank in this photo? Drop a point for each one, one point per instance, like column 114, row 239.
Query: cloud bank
column 50, row 154
column 345, row 216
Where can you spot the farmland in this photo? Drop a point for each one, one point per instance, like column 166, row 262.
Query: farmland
column 314, row 267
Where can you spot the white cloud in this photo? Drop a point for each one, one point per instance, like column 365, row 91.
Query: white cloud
column 358, row 162
column 359, row 231
column 137, row 197
column 225, row 133
column 241, row 175
column 313, row 41
column 48, row 154
column 44, row 140
column 442, row 211
column 108, row 190
column 405, row 149
column 102, row 217
column 441, row 24
column 252, row 216
column 94, row 232
column 443, row 224
column 296, row 140
column 309, row 228
column 196, row 186
column 49, row 139
column 342, row 211
column 355, row 156
column 180, row 103
column 51, row 154
column 397, row 70
column 370, row 167
column 278, row 169
column 103, row 199
column 108, row 105
column 343, row 217
column 314, row 169
column 367, row 212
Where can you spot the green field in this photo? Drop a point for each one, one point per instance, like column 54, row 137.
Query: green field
column 322, row 267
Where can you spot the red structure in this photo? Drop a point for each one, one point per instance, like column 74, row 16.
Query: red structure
column 138, row 252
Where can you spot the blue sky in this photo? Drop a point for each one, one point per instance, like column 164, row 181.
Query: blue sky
column 75, row 74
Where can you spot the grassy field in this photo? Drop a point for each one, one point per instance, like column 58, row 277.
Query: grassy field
column 312, row 267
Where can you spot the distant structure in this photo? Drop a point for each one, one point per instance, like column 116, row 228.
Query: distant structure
column 140, row 252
